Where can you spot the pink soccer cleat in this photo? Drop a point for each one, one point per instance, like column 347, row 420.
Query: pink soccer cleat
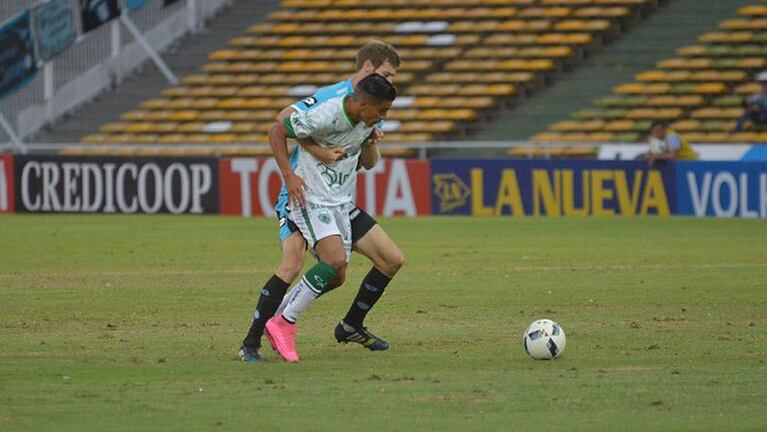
column 282, row 336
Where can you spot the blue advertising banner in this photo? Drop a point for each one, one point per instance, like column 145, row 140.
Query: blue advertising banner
column 54, row 27
column 97, row 12
column 722, row 189
column 135, row 4
column 17, row 58
column 495, row 187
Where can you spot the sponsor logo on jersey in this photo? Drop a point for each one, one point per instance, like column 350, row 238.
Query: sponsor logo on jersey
column 333, row 177
column 310, row 101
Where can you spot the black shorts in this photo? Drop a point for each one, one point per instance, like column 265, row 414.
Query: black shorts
column 362, row 222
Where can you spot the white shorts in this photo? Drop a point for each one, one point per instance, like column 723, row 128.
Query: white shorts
column 317, row 222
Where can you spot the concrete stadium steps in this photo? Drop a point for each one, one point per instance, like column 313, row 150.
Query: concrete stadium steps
column 185, row 58
column 677, row 23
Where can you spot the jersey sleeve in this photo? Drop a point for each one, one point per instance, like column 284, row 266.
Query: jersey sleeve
column 303, row 124
column 305, row 104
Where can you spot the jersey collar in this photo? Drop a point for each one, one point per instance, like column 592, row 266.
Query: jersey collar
column 346, row 114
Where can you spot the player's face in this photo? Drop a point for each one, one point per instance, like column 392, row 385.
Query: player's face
column 372, row 113
column 659, row 131
column 387, row 70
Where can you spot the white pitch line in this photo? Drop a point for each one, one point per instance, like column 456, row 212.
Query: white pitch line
column 507, row 269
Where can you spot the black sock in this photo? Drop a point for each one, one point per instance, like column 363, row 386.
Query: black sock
column 271, row 297
column 371, row 289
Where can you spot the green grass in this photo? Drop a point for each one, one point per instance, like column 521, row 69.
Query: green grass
column 131, row 323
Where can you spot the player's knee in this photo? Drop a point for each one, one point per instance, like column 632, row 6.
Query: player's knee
column 394, row 261
column 338, row 280
column 338, row 263
column 289, row 269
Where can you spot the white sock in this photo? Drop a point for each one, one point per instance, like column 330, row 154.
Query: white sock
column 287, row 299
column 299, row 300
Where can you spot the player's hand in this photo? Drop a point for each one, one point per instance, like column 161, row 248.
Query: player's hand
column 376, row 136
column 295, row 186
column 330, row 156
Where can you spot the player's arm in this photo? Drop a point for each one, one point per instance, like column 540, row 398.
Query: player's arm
column 278, row 139
column 371, row 154
column 326, row 156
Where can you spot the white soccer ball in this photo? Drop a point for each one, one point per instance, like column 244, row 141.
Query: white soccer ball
column 657, row 146
column 544, row 340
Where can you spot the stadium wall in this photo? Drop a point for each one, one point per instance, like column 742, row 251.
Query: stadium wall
column 397, row 187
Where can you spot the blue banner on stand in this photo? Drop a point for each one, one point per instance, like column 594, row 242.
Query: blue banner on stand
column 510, row 187
column 98, row 12
column 135, row 4
column 722, row 189
column 54, row 28
column 17, row 55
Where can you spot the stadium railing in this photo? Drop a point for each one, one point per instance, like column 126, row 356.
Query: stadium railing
column 96, row 60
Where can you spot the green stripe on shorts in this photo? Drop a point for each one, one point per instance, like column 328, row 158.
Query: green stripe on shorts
column 309, row 224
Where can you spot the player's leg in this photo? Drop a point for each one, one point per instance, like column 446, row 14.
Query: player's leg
column 372, row 241
column 272, row 293
column 328, row 231
column 316, row 281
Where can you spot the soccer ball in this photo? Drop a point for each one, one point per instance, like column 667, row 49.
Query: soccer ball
column 544, row 340
column 657, row 146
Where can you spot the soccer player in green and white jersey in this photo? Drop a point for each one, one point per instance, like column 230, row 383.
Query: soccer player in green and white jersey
column 368, row 237
column 321, row 195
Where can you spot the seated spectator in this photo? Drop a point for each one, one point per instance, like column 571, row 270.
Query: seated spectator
column 755, row 106
column 666, row 144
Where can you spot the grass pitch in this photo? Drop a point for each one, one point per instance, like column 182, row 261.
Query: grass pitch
column 131, row 323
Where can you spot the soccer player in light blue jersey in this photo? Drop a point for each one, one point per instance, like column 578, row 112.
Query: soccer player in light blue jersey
column 368, row 237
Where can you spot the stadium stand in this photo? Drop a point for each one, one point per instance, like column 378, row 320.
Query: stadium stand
column 700, row 92
column 462, row 59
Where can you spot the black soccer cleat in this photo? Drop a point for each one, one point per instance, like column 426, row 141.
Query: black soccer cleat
column 248, row 354
column 361, row 336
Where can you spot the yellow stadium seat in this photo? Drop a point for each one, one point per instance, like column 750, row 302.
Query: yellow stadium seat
column 748, row 88
column 676, row 101
column 583, row 25
column 428, row 126
column 727, row 37
column 619, row 125
column 744, row 24
column 717, row 113
column 642, row 88
column 651, row 113
column 755, row 10
column 710, row 88
column 691, row 51
column 685, row 63
column 603, row 12
column 744, row 137
column 685, row 125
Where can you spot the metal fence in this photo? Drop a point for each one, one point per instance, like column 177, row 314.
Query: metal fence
column 97, row 59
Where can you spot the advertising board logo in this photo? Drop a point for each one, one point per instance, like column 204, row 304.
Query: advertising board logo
column 451, row 191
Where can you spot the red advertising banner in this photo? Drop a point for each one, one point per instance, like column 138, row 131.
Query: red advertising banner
column 394, row 187
column 6, row 183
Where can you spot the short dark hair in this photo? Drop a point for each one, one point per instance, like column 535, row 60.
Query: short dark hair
column 656, row 123
column 376, row 87
column 377, row 52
